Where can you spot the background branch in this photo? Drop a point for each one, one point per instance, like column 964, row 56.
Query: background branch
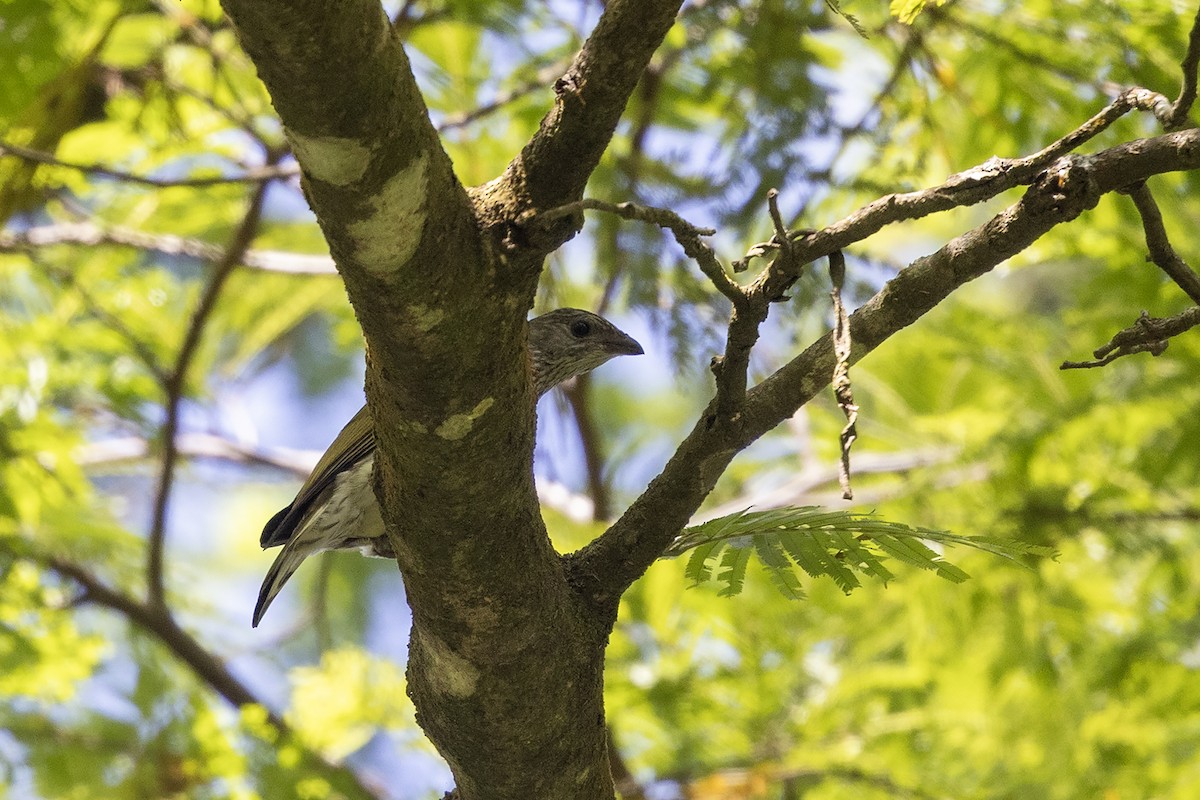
column 262, row 175
column 1146, row 335
column 177, row 382
column 91, row 233
column 158, row 623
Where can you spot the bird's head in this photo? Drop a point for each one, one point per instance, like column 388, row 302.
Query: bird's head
column 567, row 342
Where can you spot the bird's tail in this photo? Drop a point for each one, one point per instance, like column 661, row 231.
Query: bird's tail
column 289, row 559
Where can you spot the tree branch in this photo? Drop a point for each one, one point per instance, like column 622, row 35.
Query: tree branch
column 1161, row 252
column 687, row 234
column 1146, row 335
column 973, row 186
column 555, row 165
column 605, row 567
column 1187, row 90
column 177, row 382
column 90, row 234
column 261, row 175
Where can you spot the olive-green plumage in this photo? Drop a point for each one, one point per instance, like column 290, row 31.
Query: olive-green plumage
column 336, row 507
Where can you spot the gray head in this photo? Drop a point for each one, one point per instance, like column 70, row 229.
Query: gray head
column 567, row 342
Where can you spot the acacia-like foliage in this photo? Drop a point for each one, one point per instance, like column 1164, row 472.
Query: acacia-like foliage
column 838, row 544
column 159, row 266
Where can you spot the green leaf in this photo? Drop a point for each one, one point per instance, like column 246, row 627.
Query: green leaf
column 733, row 569
column 837, row 544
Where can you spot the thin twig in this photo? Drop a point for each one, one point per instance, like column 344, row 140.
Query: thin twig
column 238, row 244
column 687, row 234
column 1161, row 252
column 544, row 78
column 1146, row 335
column 260, row 176
column 124, row 449
column 781, row 232
column 1187, row 90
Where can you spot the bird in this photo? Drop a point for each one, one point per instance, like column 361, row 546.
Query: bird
column 336, row 508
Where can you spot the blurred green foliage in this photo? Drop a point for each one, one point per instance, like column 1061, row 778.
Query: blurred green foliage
column 1077, row 679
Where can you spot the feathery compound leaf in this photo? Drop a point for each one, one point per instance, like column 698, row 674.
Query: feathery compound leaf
column 697, row 570
column 733, row 569
column 837, row 544
column 770, row 553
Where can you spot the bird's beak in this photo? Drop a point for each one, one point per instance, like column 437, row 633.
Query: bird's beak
column 626, row 345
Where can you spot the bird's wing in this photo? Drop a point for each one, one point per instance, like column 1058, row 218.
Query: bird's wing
column 355, row 442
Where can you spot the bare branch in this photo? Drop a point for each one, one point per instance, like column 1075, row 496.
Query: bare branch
column 749, row 307
column 975, row 185
column 1187, row 90
column 687, row 234
column 260, row 175
column 1146, row 335
column 177, row 381
column 605, row 567
column 1161, row 252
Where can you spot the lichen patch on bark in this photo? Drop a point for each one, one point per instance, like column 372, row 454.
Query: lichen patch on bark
column 448, row 672
column 386, row 239
column 332, row 159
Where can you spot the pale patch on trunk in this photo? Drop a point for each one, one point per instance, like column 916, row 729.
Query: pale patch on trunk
column 387, row 238
column 424, row 318
column 448, row 672
column 457, row 426
column 332, row 159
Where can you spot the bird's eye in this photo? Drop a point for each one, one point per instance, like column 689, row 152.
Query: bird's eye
column 581, row 328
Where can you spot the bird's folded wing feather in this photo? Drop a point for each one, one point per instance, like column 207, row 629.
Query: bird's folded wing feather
column 355, row 442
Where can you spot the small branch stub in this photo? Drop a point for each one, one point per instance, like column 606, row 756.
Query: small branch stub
column 1147, row 335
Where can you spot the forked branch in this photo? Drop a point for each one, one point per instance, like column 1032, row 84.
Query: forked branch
column 604, row 568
